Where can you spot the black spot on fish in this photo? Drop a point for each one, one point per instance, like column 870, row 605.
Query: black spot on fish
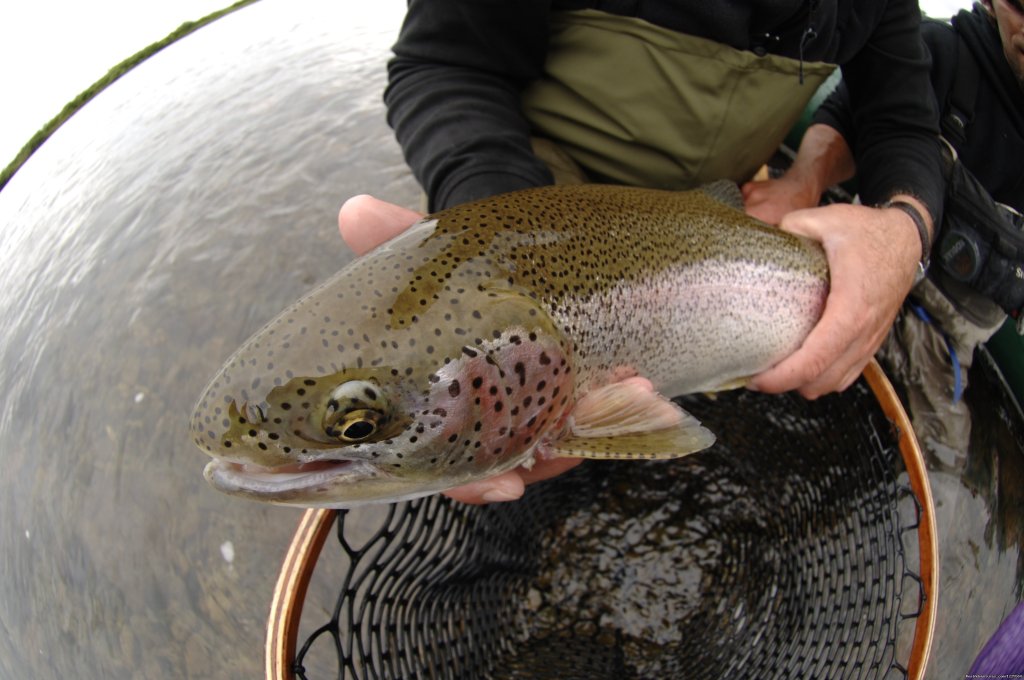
column 453, row 388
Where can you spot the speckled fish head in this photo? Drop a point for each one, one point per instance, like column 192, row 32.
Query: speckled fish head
column 416, row 368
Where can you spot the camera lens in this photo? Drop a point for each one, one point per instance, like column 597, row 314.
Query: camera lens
column 959, row 255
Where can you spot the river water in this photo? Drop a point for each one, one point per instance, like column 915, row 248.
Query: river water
column 162, row 225
column 165, row 222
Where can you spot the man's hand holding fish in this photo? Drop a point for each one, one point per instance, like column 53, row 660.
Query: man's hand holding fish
column 873, row 257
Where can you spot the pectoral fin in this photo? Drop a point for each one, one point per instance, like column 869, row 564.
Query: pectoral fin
column 629, row 419
column 734, row 384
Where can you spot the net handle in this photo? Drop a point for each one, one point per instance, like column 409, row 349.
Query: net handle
column 924, row 626
column 290, row 591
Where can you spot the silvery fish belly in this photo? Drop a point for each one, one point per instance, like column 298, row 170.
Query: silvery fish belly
column 543, row 323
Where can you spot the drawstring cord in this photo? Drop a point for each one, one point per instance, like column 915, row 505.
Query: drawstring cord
column 809, row 34
column 958, row 388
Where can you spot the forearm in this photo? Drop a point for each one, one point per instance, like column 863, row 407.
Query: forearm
column 894, row 114
column 462, row 132
column 823, row 160
column 453, row 95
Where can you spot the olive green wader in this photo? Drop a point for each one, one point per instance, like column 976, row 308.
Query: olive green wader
column 636, row 104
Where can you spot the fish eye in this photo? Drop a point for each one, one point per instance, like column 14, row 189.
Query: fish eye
column 355, row 411
column 354, row 426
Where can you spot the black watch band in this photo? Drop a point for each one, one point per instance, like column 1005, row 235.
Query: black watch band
column 922, row 232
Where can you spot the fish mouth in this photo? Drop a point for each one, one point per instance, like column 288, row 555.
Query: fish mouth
column 285, row 483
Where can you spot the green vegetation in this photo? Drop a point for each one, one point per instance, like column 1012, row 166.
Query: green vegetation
column 113, row 74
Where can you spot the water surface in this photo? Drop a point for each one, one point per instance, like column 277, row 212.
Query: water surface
column 164, row 223
column 161, row 226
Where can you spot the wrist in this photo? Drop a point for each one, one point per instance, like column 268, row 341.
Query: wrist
column 922, row 225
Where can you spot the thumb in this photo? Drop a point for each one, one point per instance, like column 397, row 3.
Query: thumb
column 804, row 223
column 365, row 222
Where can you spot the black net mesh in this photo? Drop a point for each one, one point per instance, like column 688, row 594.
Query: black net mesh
column 785, row 551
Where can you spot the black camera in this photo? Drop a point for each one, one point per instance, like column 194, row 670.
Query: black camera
column 981, row 242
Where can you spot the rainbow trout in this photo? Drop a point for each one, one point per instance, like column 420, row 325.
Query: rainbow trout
column 529, row 325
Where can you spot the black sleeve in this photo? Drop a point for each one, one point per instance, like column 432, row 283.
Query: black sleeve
column 886, row 110
column 453, row 95
column 835, row 112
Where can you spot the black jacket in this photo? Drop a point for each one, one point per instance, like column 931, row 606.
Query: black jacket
column 993, row 149
column 460, row 65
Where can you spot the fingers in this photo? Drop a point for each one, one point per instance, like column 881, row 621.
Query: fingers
column 365, row 222
column 757, row 202
column 830, row 360
column 870, row 266
column 771, row 200
column 805, row 222
column 545, row 469
column 510, row 486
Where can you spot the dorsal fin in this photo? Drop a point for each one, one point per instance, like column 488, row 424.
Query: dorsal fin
column 726, row 192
